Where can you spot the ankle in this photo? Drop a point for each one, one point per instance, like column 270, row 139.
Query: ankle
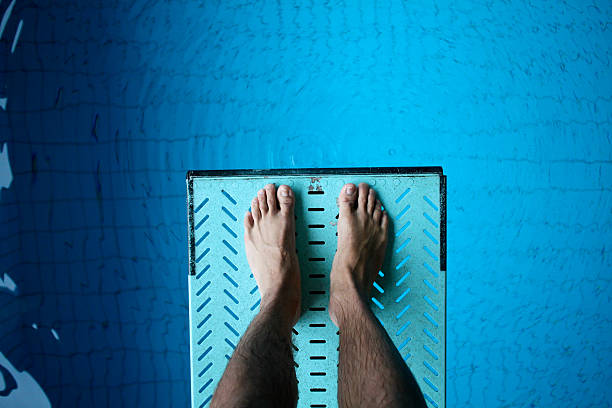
column 345, row 304
column 350, row 276
column 345, row 260
column 281, row 308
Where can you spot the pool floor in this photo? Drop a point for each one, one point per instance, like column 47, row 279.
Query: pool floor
column 104, row 106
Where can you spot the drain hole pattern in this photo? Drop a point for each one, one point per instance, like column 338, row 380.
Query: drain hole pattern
column 317, row 283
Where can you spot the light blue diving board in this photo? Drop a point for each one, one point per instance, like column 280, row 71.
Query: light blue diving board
column 409, row 296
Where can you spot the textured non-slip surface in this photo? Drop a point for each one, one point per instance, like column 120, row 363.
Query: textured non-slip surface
column 408, row 296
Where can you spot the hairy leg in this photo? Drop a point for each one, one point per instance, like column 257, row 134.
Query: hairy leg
column 261, row 371
column 371, row 372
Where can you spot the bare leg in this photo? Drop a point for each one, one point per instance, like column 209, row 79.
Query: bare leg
column 261, row 371
column 371, row 372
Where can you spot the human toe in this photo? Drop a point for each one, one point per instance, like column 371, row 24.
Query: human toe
column 347, row 198
column 371, row 201
column 271, row 198
column 263, row 201
column 255, row 209
column 248, row 220
column 377, row 214
column 362, row 199
column 284, row 195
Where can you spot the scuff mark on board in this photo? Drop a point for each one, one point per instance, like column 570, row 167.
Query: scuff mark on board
column 315, row 184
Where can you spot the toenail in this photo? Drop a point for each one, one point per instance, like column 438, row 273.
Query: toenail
column 350, row 190
column 284, row 193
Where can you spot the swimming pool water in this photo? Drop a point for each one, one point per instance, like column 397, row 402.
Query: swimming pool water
column 108, row 104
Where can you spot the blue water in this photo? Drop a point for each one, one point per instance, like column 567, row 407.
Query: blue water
column 110, row 103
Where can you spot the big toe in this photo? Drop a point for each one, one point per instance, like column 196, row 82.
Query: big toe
column 347, row 198
column 285, row 199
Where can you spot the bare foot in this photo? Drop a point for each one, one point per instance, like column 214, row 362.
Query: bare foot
column 269, row 237
column 362, row 241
